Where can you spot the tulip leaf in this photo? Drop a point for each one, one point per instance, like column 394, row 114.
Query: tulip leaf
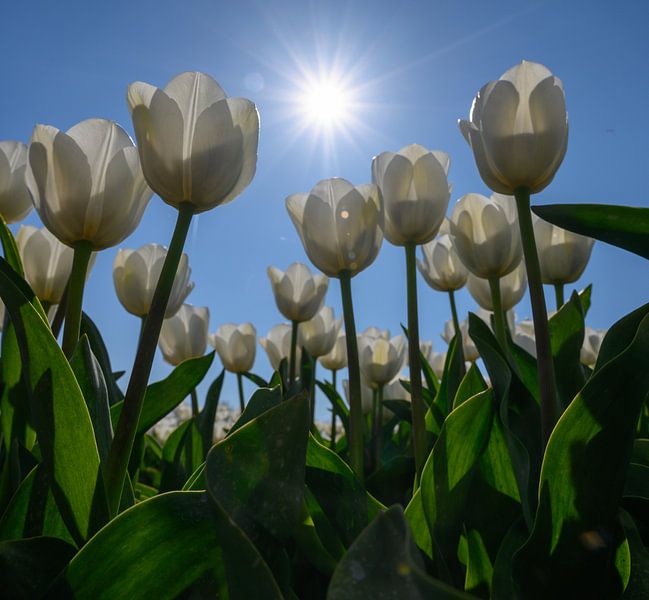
column 479, row 570
column 28, row 567
column 65, row 434
column 452, row 377
column 337, row 404
column 384, row 563
column 620, row 335
column 207, row 415
column 392, row 482
column 637, row 587
column 256, row 379
column 176, row 540
column 576, row 532
column 10, row 249
column 401, row 408
column 472, row 383
column 163, row 396
column 626, row 227
column 416, row 518
column 262, row 400
column 502, row 581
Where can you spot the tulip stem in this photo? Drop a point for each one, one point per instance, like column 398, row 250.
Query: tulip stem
column 544, row 362
column 74, row 304
column 456, row 321
column 418, row 409
column 292, row 370
column 379, row 426
column 558, row 294
column 314, row 363
column 120, row 450
column 332, row 436
column 242, row 405
column 499, row 318
column 356, row 424
column 194, row 398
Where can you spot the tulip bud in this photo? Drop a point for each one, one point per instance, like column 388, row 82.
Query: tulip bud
column 184, row 335
column 518, row 129
column 46, row 261
column 471, row 353
column 563, row 255
column 15, row 201
column 196, row 145
column 318, row 335
column 336, row 358
column 381, row 360
column 415, row 192
column 593, row 339
column 299, row 294
column 485, row 234
column 236, row 345
column 512, row 289
column 87, row 184
column 441, row 266
column 339, row 225
column 136, row 274
column 277, row 345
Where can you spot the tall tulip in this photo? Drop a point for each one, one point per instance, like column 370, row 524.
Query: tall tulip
column 277, row 345
column 136, row 274
column 381, row 360
column 335, row 360
column 184, row 335
column 415, row 193
column 340, row 228
column 15, row 201
column 563, row 255
column 593, row 339
column 198, row 150
column 236, row 345
column 89, row 191
column 518, row 131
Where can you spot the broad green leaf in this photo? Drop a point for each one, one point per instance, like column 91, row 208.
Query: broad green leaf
column 620, row 335
column 308, row 541
column 256, row 379
column 10, row 249
column 637, row 587
column 473, row 383
column 626, row 227
column 383, row 563
column 262, row 399
column 392, row 482
column 582, row 480
column 181, row 456
column 401, row 408
column 162, row 547
column 206, row 417
column 502, row 581
column 451, row 378
column 337, row 403
column 416, row 518
column 479, row 569
column 163, row 396
column 65, row 433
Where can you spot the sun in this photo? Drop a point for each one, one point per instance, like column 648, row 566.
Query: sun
column 326, row 103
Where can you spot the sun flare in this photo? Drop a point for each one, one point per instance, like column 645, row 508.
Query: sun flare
column 326, row 103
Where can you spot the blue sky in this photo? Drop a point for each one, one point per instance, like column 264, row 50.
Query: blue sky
column 413, row 67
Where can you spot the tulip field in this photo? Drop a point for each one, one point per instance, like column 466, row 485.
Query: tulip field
column 513, row 465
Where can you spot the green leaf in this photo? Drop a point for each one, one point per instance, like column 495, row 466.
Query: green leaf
column 383, row 563
column 262, row 399
column 65, row 434
column 502, row 581
column 163, row 396
column 575, row 531
column 479, row 569
column 451, row 378
column 626, row 227
column 637, row 482
column 10, row 249
column 163, row 546
column 337, row 404
column 473, row 383
column 638, row 586
column 416, row 518
column 256, row 379
column 207, row 415
column 181, row 456
column 620, row 335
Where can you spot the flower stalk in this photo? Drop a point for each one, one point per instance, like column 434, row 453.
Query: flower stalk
column 332, row 438
column 499, row 315
column 292, row 366
column 456, row 321
column 559, row 295
column 74, row 303
column 242, row 404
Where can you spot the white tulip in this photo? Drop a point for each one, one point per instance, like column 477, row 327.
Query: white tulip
column 277, row 345
column 518, row 129
column 86, row 183
column 563, row 255
column 512, row 289
column 415, row 192
column 336, row 358
column 136, row 274
column 485, row 234
column 367, row 396
column 381, row 360
column 524, row 337
column 395, row 391
column 15, row 201
column 510, row 318
column 375, row 332
column 427, row 350
column 339, row 225
column 437, row 363
column 593, row 339
column 196, row 145
column 184, row 335
column 318, row 335
column 471, row 353
column 236, row 345
column 441, row 266
column 299, row 294
column 46, row 261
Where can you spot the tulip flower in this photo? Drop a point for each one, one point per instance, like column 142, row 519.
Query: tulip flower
column 593, row 339
column 340, row 228
column 511, row 289
column 89, row 191
column 367, row 396
column 277, row 345
column 198, row 150
column 518, row 131
column 336, row 358
column 184, row 335
column 236, row 346
column 299, row 296
column 47, row 263
column 381, row 360
column 15, row 201
column 523, row 336
column 438, row 360
column 563, row 255
column 469, row 349
column 136, row 274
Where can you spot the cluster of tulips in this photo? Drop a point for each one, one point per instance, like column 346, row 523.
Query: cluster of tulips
column 275, row 509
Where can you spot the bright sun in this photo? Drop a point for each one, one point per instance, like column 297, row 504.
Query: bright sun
column 326, row 103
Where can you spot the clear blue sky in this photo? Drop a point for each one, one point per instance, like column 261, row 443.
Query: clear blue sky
column 414, row 67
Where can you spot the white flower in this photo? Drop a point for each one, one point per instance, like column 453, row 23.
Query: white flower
column 441, row 266
column 512, row 289
column 184, row 335
column 318, row 335
column 471, row 353
column 277, row 345
column 15, row 201
column 336, row 358
column 590, row 349
column 381, row 359
column 236, row 345
column 299, row 294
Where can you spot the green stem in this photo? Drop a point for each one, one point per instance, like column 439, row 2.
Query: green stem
column 122, row 445
column 558, row 294
column 194, row 397
column 456, row 321
column 142, row 323
column 332, row 437
column 314, row 363
column 76, row 283
column 355, row 406
column 292, row 370
column 242, row 404
column 379, row 427
column 544, row 362
column 499, row 317
column 418, row 409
